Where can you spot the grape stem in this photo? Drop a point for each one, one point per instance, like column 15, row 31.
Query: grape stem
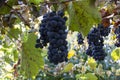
column 18, row 14
column 57, row 2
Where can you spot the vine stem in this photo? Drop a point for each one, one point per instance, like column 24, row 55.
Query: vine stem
column 49, row 73
column 11, row 35
column 52, row 74
column 56, row 2
column 18, row 14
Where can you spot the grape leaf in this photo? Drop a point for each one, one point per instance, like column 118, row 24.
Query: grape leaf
column 87, row 76
column 14, row 32
column 31, row 59
column 37, row 2
column 68, row 67
column 92, row 63
column 15, row 53
column 82, row 17
column 91, row 76
column 71, row 53
column 92, row 3
column 5, row 9
column 81, row 77
column 9, row 50
column 116, row 54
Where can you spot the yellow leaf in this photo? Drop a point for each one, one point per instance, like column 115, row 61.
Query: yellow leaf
column 87, row 76
column 116, row 54
column 71, row 53
column 68, row 67
column 83, row 70
column 113, row 37
column 81, row 77
column 91, row 76
column 118, row 72
column 92, row 63
column 9, row 76
column 113, row 22
column 35, row 1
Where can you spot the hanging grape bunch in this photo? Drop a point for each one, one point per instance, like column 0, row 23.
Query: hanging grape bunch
column 80, row 38
column 117, row 32
column 43, row 39
column 53, row 31
column 57, row 51
column 104, row 31
column 95, row 41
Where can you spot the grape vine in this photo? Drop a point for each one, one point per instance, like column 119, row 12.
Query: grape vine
column 60, row 50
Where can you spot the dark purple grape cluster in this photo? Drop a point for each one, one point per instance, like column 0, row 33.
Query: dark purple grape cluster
column 89, row 51
column 53, row 31
column 117, row 32
column 104, row 31
column 43, row 40
column 80, row 38
column 95, row 41
column 57, row 51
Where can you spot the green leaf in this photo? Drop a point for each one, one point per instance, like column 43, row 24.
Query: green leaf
column 15, row 54
column 10, row 52
column 14, row 33
column 31, row 61
column 44, row 52
column 92, row 3
column 68, row 67
column 55, row 6
column 82, row 17
column 91, row 76
column 37, row 2
column 87, row 76
column 5, row 9
column 25, row 37
column 11, row 2
column 81, row 77
column 92, row 63
column 116, row 54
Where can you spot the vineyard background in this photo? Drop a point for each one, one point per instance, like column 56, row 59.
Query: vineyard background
column 19, row 30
